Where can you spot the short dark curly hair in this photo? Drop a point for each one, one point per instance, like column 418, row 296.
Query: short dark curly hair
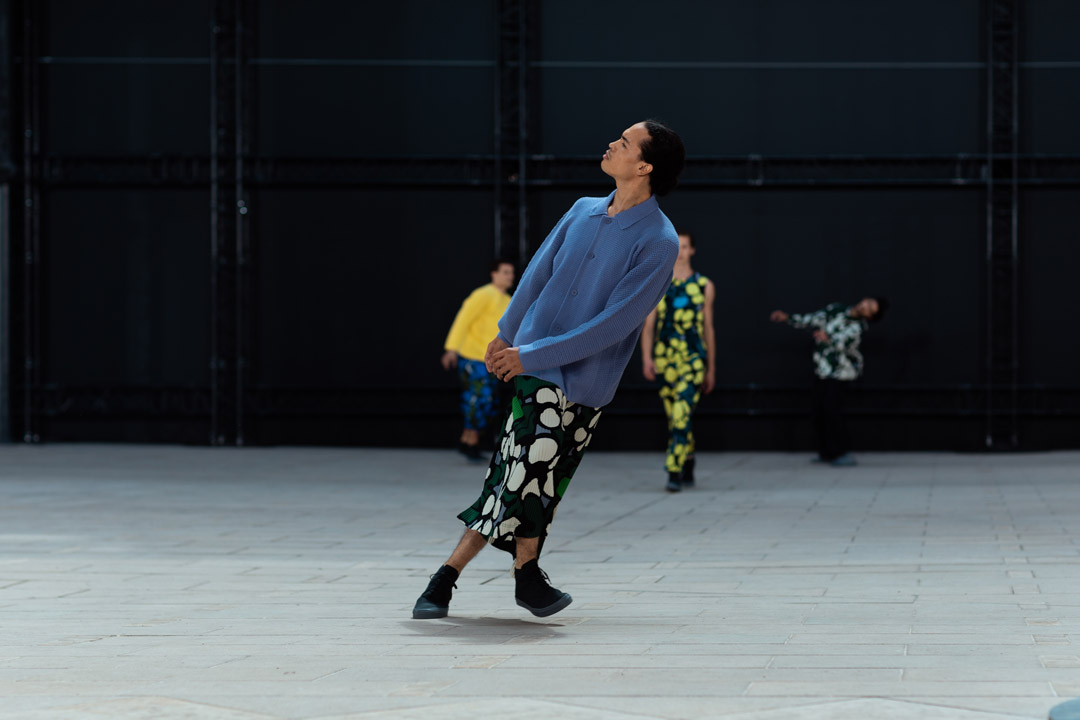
column 665, row 152
column 498, row 262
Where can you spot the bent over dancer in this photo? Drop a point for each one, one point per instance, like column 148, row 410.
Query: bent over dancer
column 564, row 342
column 837, row 329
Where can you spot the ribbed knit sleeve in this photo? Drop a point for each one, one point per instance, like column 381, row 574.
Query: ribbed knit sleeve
column 534, row 279
column 632, row 300
column 473, row 307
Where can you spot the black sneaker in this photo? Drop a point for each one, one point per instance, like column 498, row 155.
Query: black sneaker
column 674, row 482
column 435, row 601
column 535, row 594
column 688, row 472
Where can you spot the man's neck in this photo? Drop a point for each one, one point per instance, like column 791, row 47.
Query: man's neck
column 627, row 195
column 683, row 270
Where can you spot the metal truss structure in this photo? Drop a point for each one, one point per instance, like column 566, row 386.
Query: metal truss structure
column 229, row 230
column 29, row 335
column 230, row 173
column 481, row 171
column 7, row 172
column 510, row 170
column 1002, row 224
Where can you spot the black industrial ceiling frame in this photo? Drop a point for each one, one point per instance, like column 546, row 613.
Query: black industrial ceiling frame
column 30, row 255
column 7, row 173
column 229, row 172
column 1002, row 225
column 230, row 237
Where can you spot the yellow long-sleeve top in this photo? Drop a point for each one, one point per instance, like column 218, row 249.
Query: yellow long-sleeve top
column 477, row 322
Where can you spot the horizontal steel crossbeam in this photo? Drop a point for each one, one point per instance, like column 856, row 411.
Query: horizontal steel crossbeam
column 555, row 171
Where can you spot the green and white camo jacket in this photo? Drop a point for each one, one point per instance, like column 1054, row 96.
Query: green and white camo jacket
column 838, row 358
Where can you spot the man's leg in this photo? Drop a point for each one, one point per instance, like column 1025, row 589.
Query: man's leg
column 490, row 410
column 471, row 543
column 837, row 428
column 820, row 421
column 694, row 382
column 525, row 549
column 532, row 589
column 434, row 602
column 471, row 373
column 672, row 462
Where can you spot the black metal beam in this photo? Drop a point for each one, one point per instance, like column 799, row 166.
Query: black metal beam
column 5, row 305
column 510, row 170
column 30, row 244
column 7, row 173
column 479, row 171
column 7, row 157
column 229, row 145
column 1002, row 224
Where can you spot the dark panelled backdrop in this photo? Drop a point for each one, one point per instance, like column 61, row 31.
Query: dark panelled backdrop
column 253, row 222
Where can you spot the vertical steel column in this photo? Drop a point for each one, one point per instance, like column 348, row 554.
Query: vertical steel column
column 511, row 130
column 242, row 147
column 1002, row 228
column 7, row 168
column 5, row 333
column 31, row 226
column 523, row 131
column 228, row 208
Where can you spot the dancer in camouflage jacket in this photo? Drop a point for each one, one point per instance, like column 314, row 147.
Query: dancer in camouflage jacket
column 837, row 331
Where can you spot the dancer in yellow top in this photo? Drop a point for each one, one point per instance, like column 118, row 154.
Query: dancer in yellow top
column 477, row 322
column 678, row 344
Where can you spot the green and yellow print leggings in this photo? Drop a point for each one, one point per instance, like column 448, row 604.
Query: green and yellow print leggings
column 542, row 443
column 682, row 376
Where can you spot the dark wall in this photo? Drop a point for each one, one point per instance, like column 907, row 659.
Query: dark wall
column 7, row 160
column 770, row 77
column 352, row 285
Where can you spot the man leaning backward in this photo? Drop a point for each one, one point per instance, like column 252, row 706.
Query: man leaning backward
column 564, row 342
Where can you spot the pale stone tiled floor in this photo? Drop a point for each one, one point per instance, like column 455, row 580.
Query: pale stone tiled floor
column 168, row 582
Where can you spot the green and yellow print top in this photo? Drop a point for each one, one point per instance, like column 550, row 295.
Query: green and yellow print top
column 680, row 318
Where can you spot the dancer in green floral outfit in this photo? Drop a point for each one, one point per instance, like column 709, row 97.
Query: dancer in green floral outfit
column 682, row 356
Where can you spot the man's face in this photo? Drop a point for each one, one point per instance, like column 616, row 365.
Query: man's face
column 686, row 250
column 503, row 278
column 622, row 160
column 867, row 308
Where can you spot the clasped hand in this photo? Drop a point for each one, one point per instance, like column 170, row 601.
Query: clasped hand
column 503, row 360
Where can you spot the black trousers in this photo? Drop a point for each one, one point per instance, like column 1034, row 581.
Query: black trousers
column 828, row 421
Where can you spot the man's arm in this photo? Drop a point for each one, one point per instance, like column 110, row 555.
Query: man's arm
column 631, row 301
column 710, row 338
column 533, row 280
column 648, row 335
column 801, row 321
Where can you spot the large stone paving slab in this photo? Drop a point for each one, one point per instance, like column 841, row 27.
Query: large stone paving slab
column 169, row 582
